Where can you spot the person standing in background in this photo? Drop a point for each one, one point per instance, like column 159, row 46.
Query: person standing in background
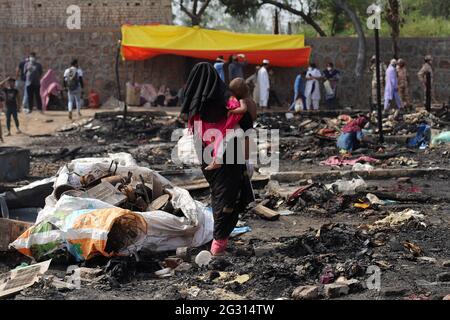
column 403, row 83
column 332, row 77
column 264, row 84
column 427, row 68
column 312, row 90
column 20, row 82
column 252, row 82
column 299, row 93
column 73, row 82
column 236, row 67
column 374, row 79
column 33, row 73
column 220, row 67
column 391, row 90
column 12, row 103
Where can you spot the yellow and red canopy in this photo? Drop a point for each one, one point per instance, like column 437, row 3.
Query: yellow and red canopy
column 146, row 42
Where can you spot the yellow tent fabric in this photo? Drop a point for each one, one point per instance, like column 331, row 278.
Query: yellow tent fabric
column 144, row 42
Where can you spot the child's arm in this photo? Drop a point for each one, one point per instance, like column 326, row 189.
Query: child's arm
column 2, row 83
column 241, row 110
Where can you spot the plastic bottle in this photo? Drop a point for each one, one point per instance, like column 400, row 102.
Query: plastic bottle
column 203, row 258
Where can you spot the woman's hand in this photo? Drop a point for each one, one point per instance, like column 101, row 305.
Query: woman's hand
column 184, row 117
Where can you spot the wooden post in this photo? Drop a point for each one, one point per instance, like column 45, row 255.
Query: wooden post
column 266, row 213
column 378, row 72
column 428, row 91
column 119, row 92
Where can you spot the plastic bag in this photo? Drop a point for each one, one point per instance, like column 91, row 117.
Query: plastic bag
column 186, row 150
column 299, row 107
column 165, row 231
column 347, row 187
column 328, row 89
column 83, row 227
column 444, row 137
column 362, row 167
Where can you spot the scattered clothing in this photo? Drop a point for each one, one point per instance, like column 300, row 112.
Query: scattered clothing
column 336, row 161
column 422, row 138
column 49, row 86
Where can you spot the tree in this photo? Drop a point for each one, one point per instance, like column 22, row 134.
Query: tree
column 394, row 20
column 308, row 11
column 194, row 12
column 276, row 22
column 361, row 58
column 305, row 9
column 435, row 8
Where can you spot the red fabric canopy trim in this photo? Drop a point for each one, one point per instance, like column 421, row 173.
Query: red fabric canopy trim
column 281, row 58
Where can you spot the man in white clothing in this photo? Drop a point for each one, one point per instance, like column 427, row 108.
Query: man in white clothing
column 312, row 89
column 264, row 84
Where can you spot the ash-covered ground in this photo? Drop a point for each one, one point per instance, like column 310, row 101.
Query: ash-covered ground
column 330, row 244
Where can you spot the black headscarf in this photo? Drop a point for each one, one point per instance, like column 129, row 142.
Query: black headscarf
column 205, row 94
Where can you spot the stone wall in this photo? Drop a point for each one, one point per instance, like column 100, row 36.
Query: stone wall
column 40, row 26
column 94, row 13
column 33, row 25
column 343, row 51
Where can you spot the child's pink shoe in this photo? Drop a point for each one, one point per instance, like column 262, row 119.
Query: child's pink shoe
column 218, row 247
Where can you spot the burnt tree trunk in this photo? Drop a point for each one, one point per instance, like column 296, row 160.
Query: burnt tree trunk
column 394, row 21
column 361, row 58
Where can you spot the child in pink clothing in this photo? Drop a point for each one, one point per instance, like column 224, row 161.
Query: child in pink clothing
column 236, row 111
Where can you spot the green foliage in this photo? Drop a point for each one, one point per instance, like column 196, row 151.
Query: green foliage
column 241, row 9
column 420, row 17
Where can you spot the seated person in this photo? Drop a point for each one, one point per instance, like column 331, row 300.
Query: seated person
column 352, row 135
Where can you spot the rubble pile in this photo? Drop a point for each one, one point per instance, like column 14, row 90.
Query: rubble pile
column 138, row 128
column 314, row 198
column 312, row 238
